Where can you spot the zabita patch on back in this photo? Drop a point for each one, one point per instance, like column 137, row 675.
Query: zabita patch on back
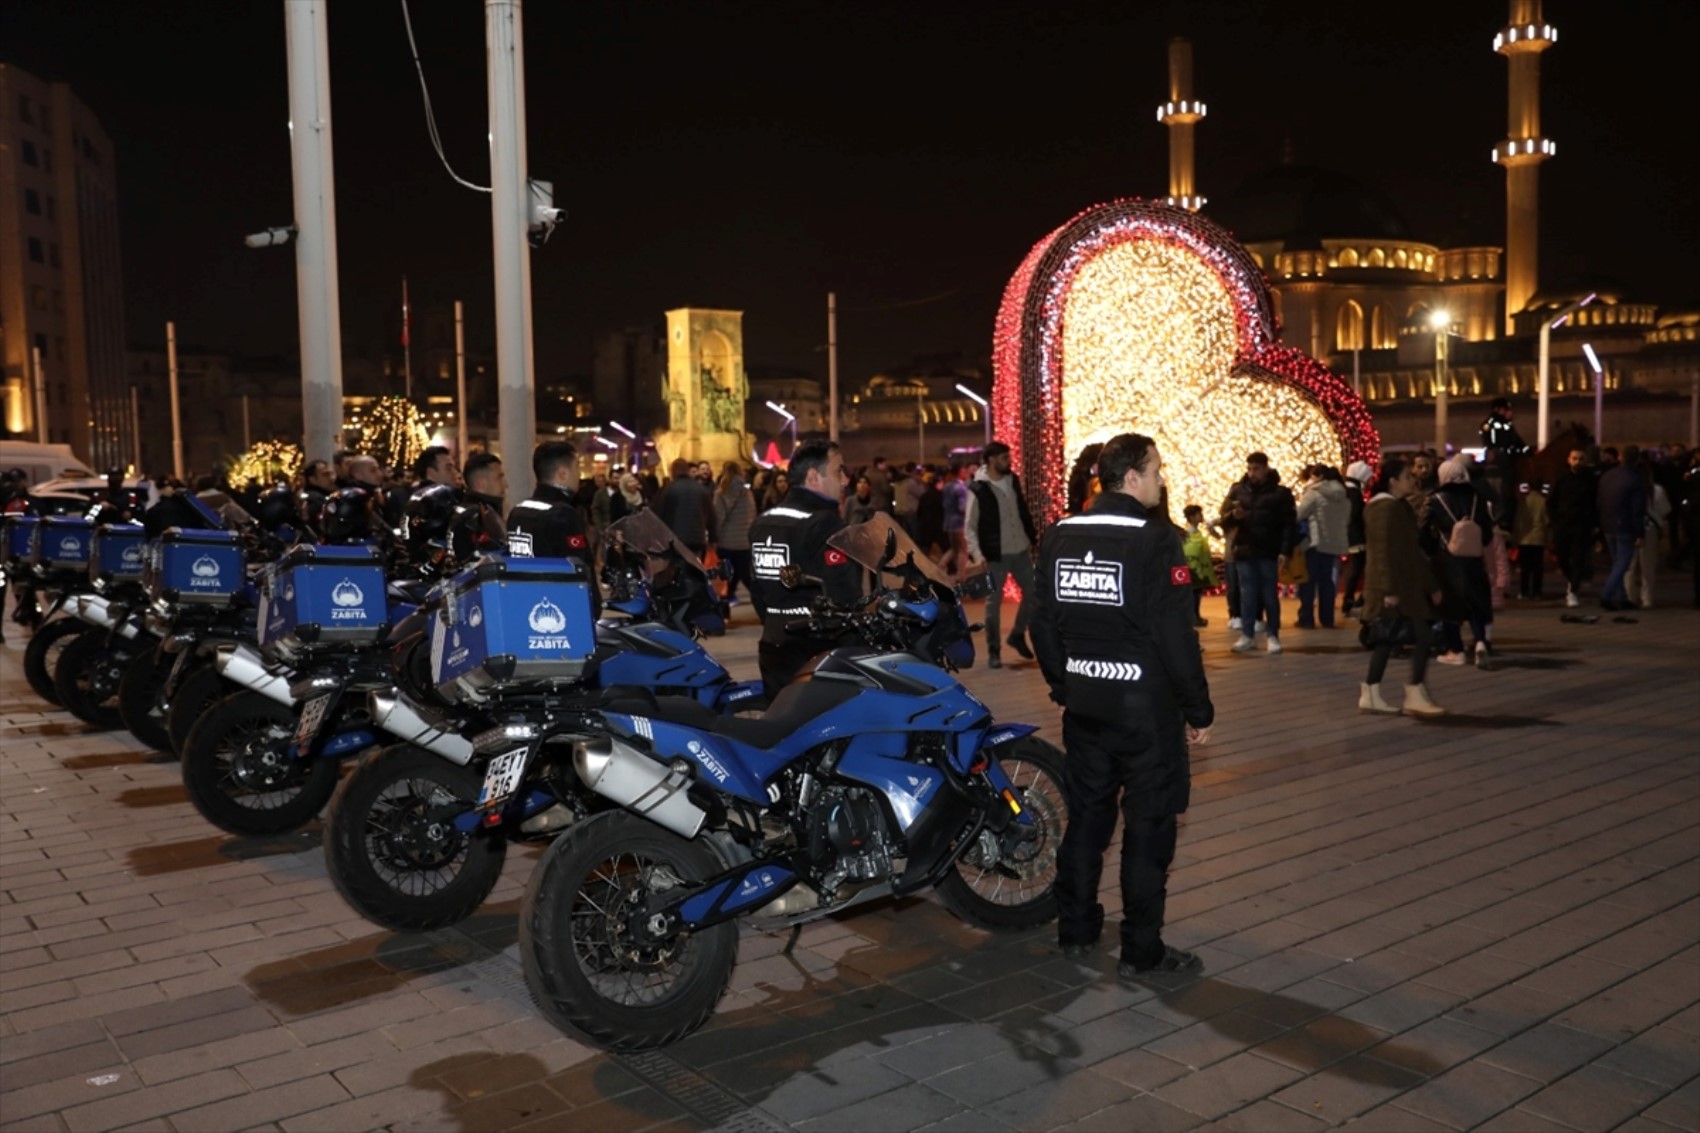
column 1088, row 581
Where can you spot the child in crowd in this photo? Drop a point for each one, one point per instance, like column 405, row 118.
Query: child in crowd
column 1197, row 549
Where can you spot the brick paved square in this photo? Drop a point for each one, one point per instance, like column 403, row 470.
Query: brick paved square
column 1407, row 927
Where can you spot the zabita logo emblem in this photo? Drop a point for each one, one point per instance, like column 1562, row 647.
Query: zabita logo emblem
column 475, row 617
column 203, row 573
column 1093, row 583
column 348, row 599
column 767, row 558
column 70, row 545
column 133, row 555
column 547, row 622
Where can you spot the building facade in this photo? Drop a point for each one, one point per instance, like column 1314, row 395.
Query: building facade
column 61, row 280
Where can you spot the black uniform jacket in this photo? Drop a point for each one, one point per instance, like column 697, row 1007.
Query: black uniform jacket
column 1113, row 628
column 547, row 526
column 794, row 533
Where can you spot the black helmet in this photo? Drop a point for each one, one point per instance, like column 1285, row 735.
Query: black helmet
column 347, row 515
column 430, row 512
column 277, row 509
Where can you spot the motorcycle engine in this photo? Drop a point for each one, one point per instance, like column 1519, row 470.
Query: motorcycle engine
column 847, row 837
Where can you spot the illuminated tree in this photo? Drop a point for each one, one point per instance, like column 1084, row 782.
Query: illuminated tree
column 394, row 432
column 267, row 461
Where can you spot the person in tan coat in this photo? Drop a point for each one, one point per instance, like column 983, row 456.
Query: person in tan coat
column 1398, row 580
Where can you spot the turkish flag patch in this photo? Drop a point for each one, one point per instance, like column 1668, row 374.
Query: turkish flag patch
column 835, row 557
column 1180, row 576
column 576, row 542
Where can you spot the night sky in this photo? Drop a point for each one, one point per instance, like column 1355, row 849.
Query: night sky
column 754, row 156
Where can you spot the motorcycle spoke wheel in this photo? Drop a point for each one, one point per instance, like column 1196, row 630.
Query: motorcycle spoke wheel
column 1008, row 880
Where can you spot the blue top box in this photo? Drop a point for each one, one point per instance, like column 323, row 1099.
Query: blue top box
column 198, row 567
column 324, row 595
column 62, row 543
column 510, row 621
column 118, row 552
column 20, row 531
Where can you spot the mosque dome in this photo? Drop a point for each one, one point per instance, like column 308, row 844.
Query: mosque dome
column 1292, row 203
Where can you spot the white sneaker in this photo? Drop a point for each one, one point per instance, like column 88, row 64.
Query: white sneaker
column 1450, row 658
column 1571, row 600
column 1234, row 623
column 1245, row 644
column 1274, row 645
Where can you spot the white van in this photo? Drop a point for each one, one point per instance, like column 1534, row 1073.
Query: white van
column 43, row 463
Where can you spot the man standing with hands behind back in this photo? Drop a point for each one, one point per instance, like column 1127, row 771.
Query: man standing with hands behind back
column 1115, row 638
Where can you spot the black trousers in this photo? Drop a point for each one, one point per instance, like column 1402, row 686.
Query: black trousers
column 1099, row 775
column 1575, row 549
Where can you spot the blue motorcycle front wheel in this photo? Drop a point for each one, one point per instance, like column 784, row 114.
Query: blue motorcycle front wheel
column 591, row 969
column 1009, row 881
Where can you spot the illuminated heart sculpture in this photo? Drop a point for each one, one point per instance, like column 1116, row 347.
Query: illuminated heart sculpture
column 1141, row 317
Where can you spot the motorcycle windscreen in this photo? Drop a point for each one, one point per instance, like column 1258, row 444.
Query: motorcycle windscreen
column 881, row 540
column 644, row 531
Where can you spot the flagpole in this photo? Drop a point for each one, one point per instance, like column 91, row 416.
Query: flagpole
column 406, row 343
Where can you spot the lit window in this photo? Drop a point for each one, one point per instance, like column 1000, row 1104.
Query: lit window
column 1348, row 257
column 1377, row 258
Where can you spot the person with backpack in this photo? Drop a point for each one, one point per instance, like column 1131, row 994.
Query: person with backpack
column 1458, row 518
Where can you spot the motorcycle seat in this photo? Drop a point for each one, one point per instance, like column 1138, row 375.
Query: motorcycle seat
column 797, row 703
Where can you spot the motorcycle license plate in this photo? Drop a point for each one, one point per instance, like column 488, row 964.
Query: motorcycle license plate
column 502, row 778
column 312, row 716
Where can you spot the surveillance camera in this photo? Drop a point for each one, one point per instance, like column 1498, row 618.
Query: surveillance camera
column 270, row 237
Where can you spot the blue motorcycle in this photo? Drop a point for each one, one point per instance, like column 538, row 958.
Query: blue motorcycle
column 405, row 844
column 874, row 774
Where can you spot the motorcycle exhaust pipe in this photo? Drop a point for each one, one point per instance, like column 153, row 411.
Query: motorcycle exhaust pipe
column 97, row 611
column 393, row 713
column 243, row 665
column 620, row 772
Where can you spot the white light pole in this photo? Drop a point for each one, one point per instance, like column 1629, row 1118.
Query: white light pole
column 315, row 222
column 985, row 407
column 790, row 422
column 40, row 396
column 1545, row 386
column 510, row 217
column 921, row 422
column 832, row 366
column 176, row 413
column 460, row 378
column 1441, row 323
column 1599, row 392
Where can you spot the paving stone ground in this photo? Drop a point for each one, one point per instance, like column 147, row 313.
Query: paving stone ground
column 1488, row 921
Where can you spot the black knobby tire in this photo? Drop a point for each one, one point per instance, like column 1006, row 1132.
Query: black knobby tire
column 391, row 848
column 584, row 972
column 991, row 889
column 86, row 679
column 41, row 655
column 240, row 775
column 200, row 689
column 138, row 697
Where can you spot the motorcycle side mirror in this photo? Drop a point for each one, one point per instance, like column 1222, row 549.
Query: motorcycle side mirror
column 976, row 586
column 790, row 576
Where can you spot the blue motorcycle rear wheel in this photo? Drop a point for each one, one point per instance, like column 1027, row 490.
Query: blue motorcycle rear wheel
column 1008, row 882
column 589, row 967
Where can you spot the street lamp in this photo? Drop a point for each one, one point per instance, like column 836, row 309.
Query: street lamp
column 1599, row 391
column 626, row 458
column 790, row 421
column 1544, row 392
column 985, row 407
column 1440, row 322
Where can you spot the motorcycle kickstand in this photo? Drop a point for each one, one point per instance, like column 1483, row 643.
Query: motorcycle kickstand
column 791, row 943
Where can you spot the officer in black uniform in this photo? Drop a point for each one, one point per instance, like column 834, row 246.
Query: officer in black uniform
column 1114, row 633
column 794, row 533
column 479, row 527
column 546, row 525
